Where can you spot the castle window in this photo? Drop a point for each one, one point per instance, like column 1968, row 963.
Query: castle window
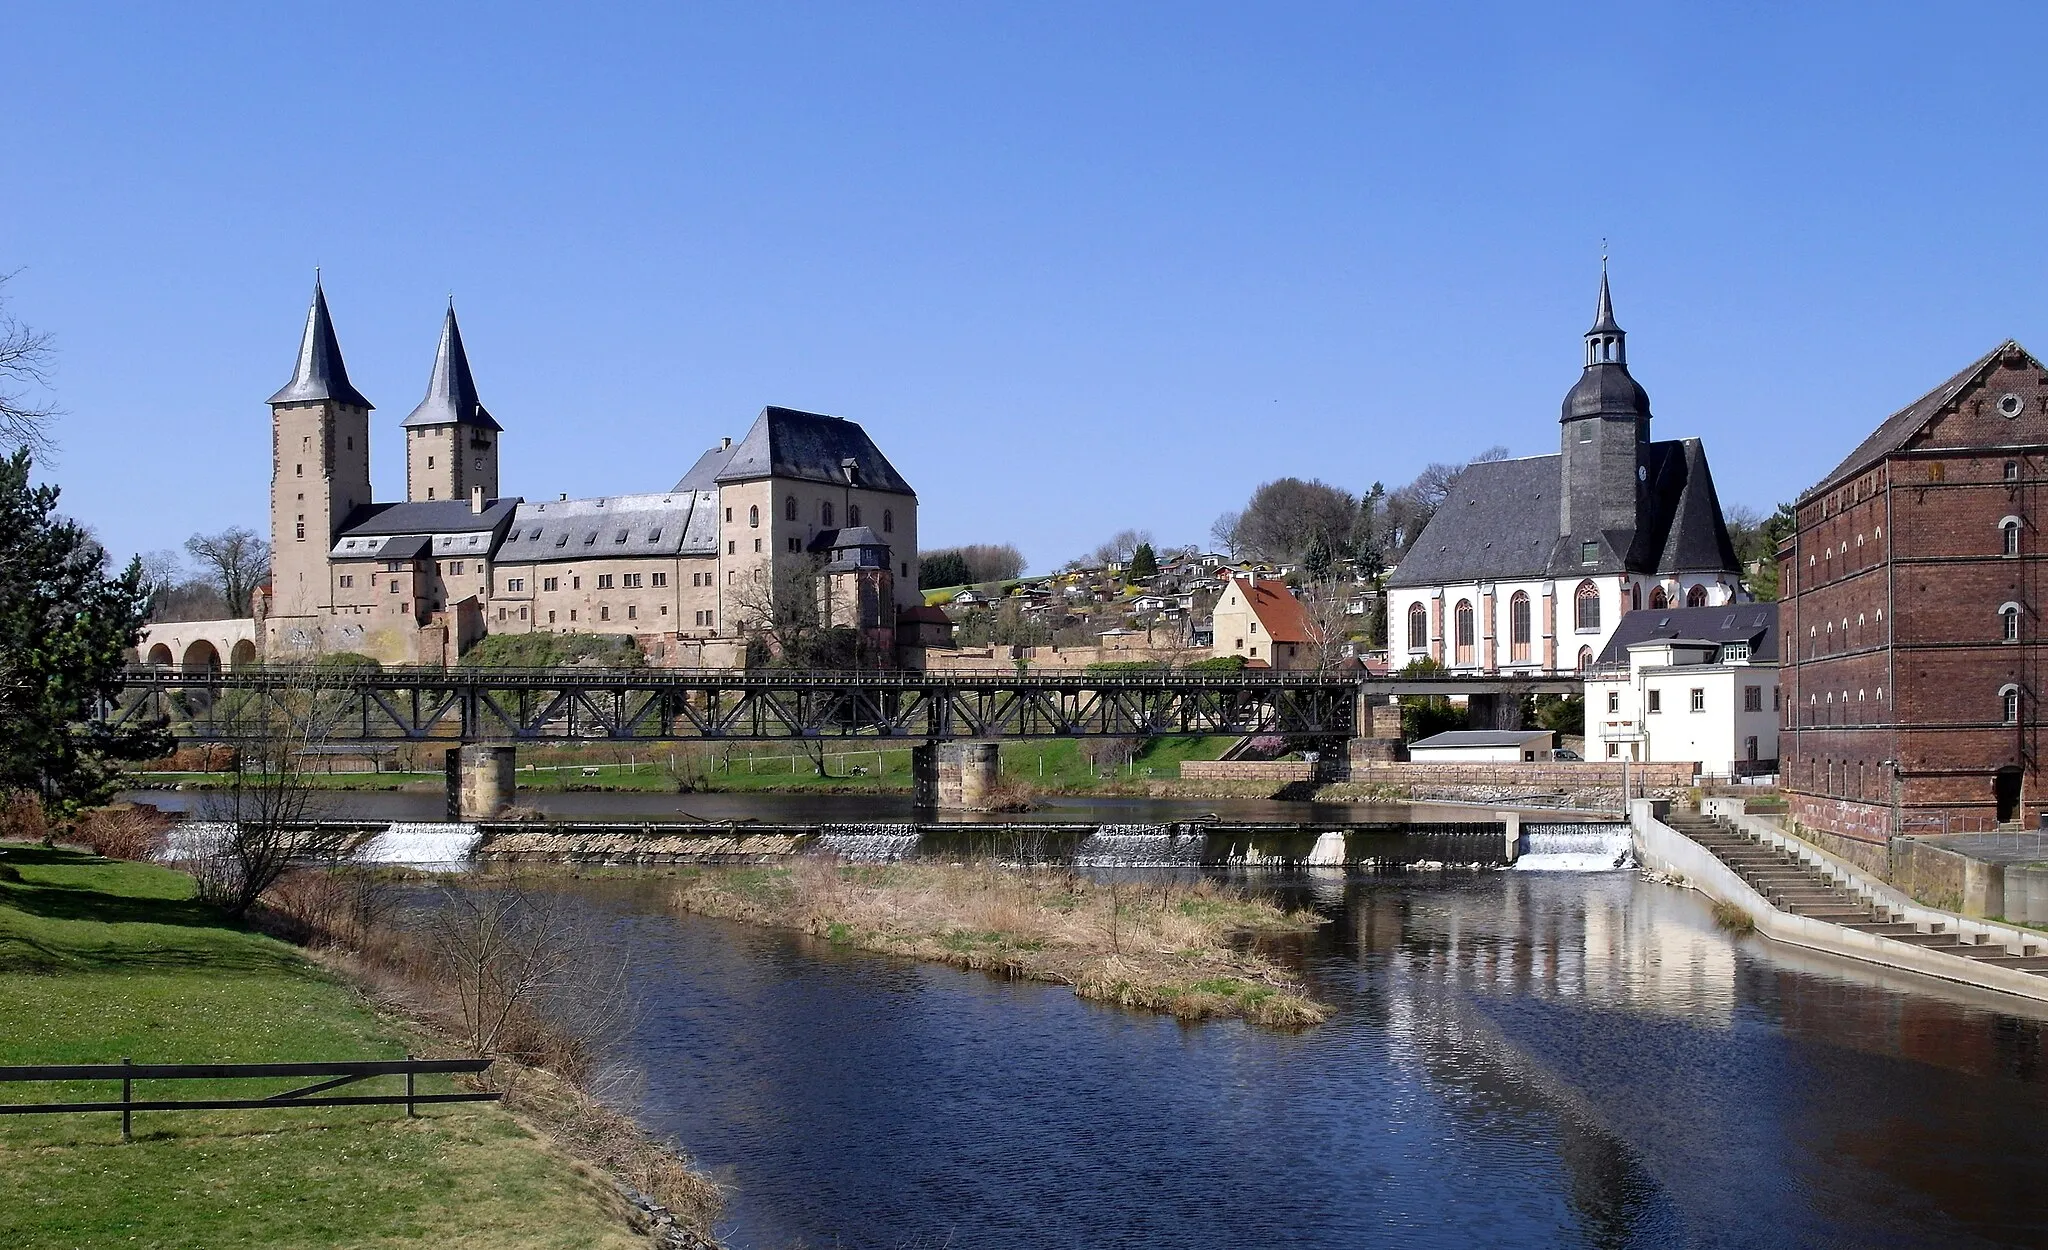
column 728, row 516
column 789, row 508
column 632, row 612
column 2009, row 536
column 629, row 579
column 550, row 583
column 732, row 546
column 754, row 517
column 658, row 579
column 604, row 612
column 515, row 584
column 575, row 583
column 456, row 568
column 522, row 613
column 757, row 545
column 796, row 545
column 1518, row 626
column 298, row 470
column 1418, row 627
column 888, row 521
column 430, row 492
column 430, row 462
column 347, row 581
column 301, row 527
column 825, row 514
column 2009, row 623
column 604, row 581
column 1586, row 606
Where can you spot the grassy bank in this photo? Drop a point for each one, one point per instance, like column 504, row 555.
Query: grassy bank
column 1051, row 766
column 1158, row 945
column 101, row 960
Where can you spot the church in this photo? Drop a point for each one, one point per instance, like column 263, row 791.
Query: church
column 1528, row 564
column 802, row 505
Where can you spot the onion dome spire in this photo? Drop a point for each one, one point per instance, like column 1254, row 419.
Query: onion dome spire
column 320, row 373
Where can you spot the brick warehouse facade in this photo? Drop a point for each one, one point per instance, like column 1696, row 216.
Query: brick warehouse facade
column 1912, row 592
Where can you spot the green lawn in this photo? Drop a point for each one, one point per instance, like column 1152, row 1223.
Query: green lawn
column 101, row 960
column 1054, row 764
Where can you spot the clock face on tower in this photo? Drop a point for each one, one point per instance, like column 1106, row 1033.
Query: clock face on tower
column 1642, row 474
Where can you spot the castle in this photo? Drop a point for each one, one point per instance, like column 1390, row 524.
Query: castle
column 803, row 518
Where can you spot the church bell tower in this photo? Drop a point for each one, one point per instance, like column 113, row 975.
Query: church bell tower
column 1606, row 423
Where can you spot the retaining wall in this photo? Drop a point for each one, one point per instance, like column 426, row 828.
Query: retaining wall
column 1280, row 772
column 1555, row 775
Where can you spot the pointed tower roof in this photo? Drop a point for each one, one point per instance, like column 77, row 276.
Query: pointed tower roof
column 320, row 373
column 1603, row 317
column 451, row 391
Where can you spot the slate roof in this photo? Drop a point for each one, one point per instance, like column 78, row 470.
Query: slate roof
column 675, row 523
column 1481, row 738
column 427, row 516
column 810, row 447
column 1753, row 623
column 319, row 373
column 703, row 475
column 1500, row 521
column 382, row 547
column 1899, row 428
column 451, row 391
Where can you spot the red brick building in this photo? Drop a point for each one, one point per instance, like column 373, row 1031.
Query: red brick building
column 1913, row 647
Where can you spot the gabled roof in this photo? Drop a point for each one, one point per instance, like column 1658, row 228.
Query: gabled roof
column 1279, row 612
column 703, row 475
column 1899, row 428
column 676, row 523
column 1500, row 520
column 427, row 516
column 1753, row 623
column 1482, row 738
column 810, row 447
column 1685, row 523
column 319, row 373
column 451, row 391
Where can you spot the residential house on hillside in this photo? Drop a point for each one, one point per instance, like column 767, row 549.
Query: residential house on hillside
column 1260, row 620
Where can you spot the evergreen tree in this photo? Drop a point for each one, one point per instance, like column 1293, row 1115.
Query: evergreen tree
column 1144, row 562
column 64, row 624
column 1317, row 560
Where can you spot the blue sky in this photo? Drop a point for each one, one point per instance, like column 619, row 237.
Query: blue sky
column 1075, row 267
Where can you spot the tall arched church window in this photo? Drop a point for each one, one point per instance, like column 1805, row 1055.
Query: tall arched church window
column 789, row 508
column 1658, row 599
column 1418, row 628
column 1586, row 606
column 853, row 514
column 1635, row 598
column 1462, row 619
column 1696, row 597
column 1518, row 626
column 825, row 514
column 1585, row 658
column 888, row 521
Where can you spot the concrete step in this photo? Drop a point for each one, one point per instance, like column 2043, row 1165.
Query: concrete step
column 1882, row 928
column 2025, row 963
column 1927, row 939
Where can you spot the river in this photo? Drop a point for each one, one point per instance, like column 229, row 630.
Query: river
column 1515, row 1059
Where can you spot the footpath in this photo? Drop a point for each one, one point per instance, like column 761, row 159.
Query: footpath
column 1800, row 895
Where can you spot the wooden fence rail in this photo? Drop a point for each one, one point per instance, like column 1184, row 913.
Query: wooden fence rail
column 342, row 1073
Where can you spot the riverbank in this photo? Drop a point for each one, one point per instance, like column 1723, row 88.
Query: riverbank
column 101, row 960
column 1160, row 944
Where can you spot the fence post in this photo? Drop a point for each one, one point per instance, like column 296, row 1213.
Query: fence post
column 127, row 1096
column 410, row 1114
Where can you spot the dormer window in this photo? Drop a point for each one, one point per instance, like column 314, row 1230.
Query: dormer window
column 1589, row 553
column 621, row 537
column 654, row 535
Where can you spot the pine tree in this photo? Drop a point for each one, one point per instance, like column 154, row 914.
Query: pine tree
column 64, row 626
column 1317, row 560
column 1144, row 562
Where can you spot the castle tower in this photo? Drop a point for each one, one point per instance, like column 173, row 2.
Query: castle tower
column 1606, row 422
column 451, row 440
column 319, row 467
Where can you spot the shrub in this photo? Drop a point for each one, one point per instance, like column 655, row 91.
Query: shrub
column 554, row 651
column 122, row 831
column 1220, row 664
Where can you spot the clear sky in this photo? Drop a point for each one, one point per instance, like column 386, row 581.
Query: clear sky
column 1075, row 267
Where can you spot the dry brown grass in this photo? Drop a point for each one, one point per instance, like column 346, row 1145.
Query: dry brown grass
column 1160, row 945
column 121, row 831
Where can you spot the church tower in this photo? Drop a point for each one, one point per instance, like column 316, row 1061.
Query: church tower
column 1606, row 424
column 319, row 467
column 451, row 440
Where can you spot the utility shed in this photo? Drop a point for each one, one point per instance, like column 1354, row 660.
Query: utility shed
column 1484, row 746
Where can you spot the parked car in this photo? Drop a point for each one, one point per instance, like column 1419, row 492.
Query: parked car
column 1567, row 754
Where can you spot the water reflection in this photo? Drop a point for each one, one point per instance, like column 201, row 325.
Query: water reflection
column 1514, row 1060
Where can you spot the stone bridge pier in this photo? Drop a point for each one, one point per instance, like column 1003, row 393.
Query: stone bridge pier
column 482, row 780
column 955, row 776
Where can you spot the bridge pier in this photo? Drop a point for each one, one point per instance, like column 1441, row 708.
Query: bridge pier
column 1380, row 739
column 482, row 780
column 955, row 776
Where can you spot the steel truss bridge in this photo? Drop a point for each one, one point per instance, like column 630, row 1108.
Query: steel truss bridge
column 461, row 705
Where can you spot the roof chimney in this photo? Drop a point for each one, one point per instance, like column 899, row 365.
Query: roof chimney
column 725, row 444
column 476, row 499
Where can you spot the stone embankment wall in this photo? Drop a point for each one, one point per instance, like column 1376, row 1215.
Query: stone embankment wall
column 1278, row 772
column 1944, row 877
column 1593, row 786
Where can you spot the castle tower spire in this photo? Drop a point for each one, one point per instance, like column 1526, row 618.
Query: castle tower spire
column 451, row 439
column 1605, row 342
column 319, row 373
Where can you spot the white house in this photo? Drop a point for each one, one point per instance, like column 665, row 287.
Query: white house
column 1528, row 565
column 1484, row 746
column 1698, row 684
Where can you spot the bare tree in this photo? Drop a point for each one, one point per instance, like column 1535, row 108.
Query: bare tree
column 1122, row 545
column 1326, row 618
column 1223, row 532
column 236, row 560
column 261, row 822
column 26, row 355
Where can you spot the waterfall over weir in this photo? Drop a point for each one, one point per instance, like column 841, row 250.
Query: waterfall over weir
column 429, row 847
column 869, row 844
column 1140, row 846
column 1574, row 848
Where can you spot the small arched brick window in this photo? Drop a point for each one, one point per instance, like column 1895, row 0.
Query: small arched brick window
column 2009, row 623
column 1418, row 627
column 2009, row 704
column 2009, row 536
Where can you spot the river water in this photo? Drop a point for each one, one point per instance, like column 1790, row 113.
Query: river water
column 1515, row 1059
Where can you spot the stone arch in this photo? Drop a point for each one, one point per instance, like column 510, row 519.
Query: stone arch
column 201, row 659
column 242, row 654
column 160, row 656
